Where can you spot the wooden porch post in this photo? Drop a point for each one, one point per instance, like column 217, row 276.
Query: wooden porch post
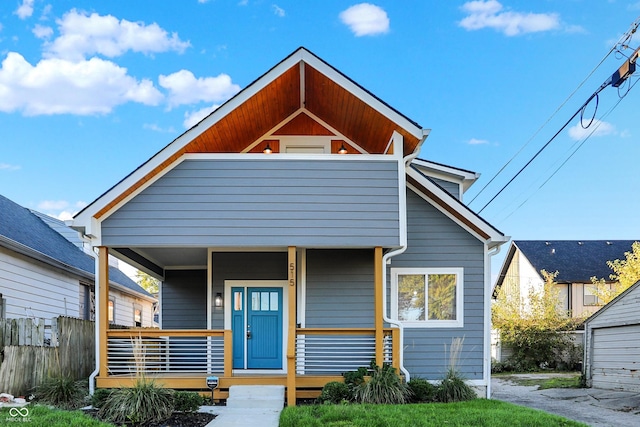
column 291, row 343
column 228, row 353
column 378, row 309
column 103, row 312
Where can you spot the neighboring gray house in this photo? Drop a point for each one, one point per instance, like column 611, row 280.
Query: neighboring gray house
column 612, row 343
column 45, row 273
column 298, row 237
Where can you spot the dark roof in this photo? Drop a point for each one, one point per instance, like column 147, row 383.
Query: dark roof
column 20, row 226
column 575, row 260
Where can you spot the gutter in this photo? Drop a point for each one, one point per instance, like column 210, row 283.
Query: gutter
column 495, row 251
column 96, row 331
column 386, row 259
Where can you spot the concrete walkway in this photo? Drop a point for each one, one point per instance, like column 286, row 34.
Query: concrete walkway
column 249, row 406
column 594, row 407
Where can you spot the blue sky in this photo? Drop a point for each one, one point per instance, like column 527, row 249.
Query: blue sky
column 90, row 90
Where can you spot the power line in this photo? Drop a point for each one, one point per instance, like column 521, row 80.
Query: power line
column 621, row 43
column 581, row 143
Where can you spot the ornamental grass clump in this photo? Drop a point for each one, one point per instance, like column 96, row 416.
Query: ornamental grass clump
column 144, row 402
column 384, row 386
column 62, row 392
column 453, row 387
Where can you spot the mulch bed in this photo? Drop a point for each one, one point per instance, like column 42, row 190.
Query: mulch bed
column 177, row 419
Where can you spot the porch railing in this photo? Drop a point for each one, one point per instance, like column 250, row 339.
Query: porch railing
column 328, row 351
column 154, row 351
column 319, row 351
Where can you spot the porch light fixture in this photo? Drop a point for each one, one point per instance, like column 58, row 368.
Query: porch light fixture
column 217, row 301
column 267, row 149
column 342, row 150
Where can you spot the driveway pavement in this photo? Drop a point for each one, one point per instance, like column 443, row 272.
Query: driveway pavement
column 594, row 407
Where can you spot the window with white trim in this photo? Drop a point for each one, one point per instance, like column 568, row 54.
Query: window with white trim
column 427, row 297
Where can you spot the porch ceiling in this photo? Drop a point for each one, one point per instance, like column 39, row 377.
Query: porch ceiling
column 294, row 91
column 174, row 257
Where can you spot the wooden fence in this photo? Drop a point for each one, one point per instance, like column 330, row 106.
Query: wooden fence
column 34, row 349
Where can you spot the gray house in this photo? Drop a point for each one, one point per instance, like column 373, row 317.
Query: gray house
column 612, row 343
column 297, row 237
column 45, row 273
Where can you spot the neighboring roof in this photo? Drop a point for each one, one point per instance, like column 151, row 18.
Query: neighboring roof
column 576, row 261
column 612, row 303
column 454, row 208
column 302, row 83
column 23, row 231
column 67, row 232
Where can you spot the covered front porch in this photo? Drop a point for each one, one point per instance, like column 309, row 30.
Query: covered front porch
column 300, row 352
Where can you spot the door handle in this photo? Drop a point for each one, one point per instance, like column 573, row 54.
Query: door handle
column 248, row 334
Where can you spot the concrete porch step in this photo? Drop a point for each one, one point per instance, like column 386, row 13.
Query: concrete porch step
column 256, row 396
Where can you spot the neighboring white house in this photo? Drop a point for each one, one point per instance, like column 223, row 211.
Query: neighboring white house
column 612, row 344
column 45, row 273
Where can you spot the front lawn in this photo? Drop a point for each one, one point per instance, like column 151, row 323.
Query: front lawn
column 478, row 412
column 38, row 415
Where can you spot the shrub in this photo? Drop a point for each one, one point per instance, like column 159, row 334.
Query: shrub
column 144, row 402
column 421, row 390
column 384, row 386
column 453, row 388
column 62, row 392
column 100, row 396
column 335, row 392
column 187, row 401
column 355, row 378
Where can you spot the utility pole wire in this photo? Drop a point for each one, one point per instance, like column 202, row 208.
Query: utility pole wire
column 621, row 42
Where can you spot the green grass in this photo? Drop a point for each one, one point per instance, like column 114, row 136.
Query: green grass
column 546, row 383
column 45, row 416
column 478, row 412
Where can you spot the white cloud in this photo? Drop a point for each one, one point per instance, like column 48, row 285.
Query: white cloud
column 475, row 141
column 490, row 14
column 599, row 128
column 42, row 32
column 83, row 35
column 8, row 167
column 192, row 118
column 278, row 10
column 365, row 19
column 60, row 209
column 53, row 205
column 25, row 10
column 156, row 128
column 185, row 88
column 58, row 86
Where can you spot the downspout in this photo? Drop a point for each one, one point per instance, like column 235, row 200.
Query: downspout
column 493, row 252
column 92, row 376
column 386, row 258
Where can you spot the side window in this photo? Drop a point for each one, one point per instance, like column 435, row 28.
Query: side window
column 430, row 297
column 590, row 295
column 112, row 311
column 137, row 316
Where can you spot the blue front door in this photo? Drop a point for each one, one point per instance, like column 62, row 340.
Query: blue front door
column 257, row 328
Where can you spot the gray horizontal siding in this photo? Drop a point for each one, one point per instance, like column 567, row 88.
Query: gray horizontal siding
column 340, row 289
column 436, row 241
column 184, row 299
column 451, row 187
column 616, row 358
column 263, row 203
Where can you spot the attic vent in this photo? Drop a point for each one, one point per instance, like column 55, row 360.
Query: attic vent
column 547, row 243
column 609, row 243
column 553, row 251
column 580, row 243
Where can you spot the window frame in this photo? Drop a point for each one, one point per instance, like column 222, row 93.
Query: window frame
column 593, row 288
column 457, row 271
